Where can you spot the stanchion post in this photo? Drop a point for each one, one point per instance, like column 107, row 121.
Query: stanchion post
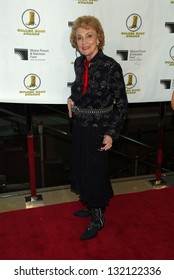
column 32, row 167
column 34, row 197
column 40, row 129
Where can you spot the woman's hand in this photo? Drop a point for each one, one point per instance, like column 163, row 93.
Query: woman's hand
column 70, row 105
column 107, row 142
column 172, row 101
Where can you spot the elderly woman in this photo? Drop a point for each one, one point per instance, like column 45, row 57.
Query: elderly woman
column 98, row 108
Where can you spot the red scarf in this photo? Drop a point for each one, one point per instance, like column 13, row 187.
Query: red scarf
column 85, row 76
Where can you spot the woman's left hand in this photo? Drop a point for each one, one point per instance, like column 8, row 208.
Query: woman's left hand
column 107, row 142
column 172, row 101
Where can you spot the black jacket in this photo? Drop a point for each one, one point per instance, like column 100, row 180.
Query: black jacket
column 105, row 87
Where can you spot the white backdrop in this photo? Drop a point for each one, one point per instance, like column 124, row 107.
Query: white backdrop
column 36, row 58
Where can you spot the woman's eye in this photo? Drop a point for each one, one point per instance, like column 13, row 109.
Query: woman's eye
column 89, row 36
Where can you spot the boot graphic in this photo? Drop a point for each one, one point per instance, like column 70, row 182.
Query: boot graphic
column 33, row 81
column 134, row 22
column 130, row 79
column 31, row 18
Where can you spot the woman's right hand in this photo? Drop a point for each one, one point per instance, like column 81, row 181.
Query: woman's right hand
column 70, row 105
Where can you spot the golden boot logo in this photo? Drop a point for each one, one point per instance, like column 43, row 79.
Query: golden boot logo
column 171, row 52
column 32, row 82
column 134, row 22
column 170, row 60
column 31, row 19
column 130, row 80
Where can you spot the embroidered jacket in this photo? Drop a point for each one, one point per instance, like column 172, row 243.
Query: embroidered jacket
column 105, row 87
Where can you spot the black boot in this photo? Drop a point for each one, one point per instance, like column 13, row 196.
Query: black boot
column 83, row 213
column 96, row 224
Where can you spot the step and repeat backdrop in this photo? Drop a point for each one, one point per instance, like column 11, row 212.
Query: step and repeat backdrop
column 36, row 58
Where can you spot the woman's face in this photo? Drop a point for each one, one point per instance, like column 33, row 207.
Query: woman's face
column 87, row 42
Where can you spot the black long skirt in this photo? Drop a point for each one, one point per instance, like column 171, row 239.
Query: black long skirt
column 89, row 169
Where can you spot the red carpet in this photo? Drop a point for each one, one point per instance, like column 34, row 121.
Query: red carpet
column 138, row 226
